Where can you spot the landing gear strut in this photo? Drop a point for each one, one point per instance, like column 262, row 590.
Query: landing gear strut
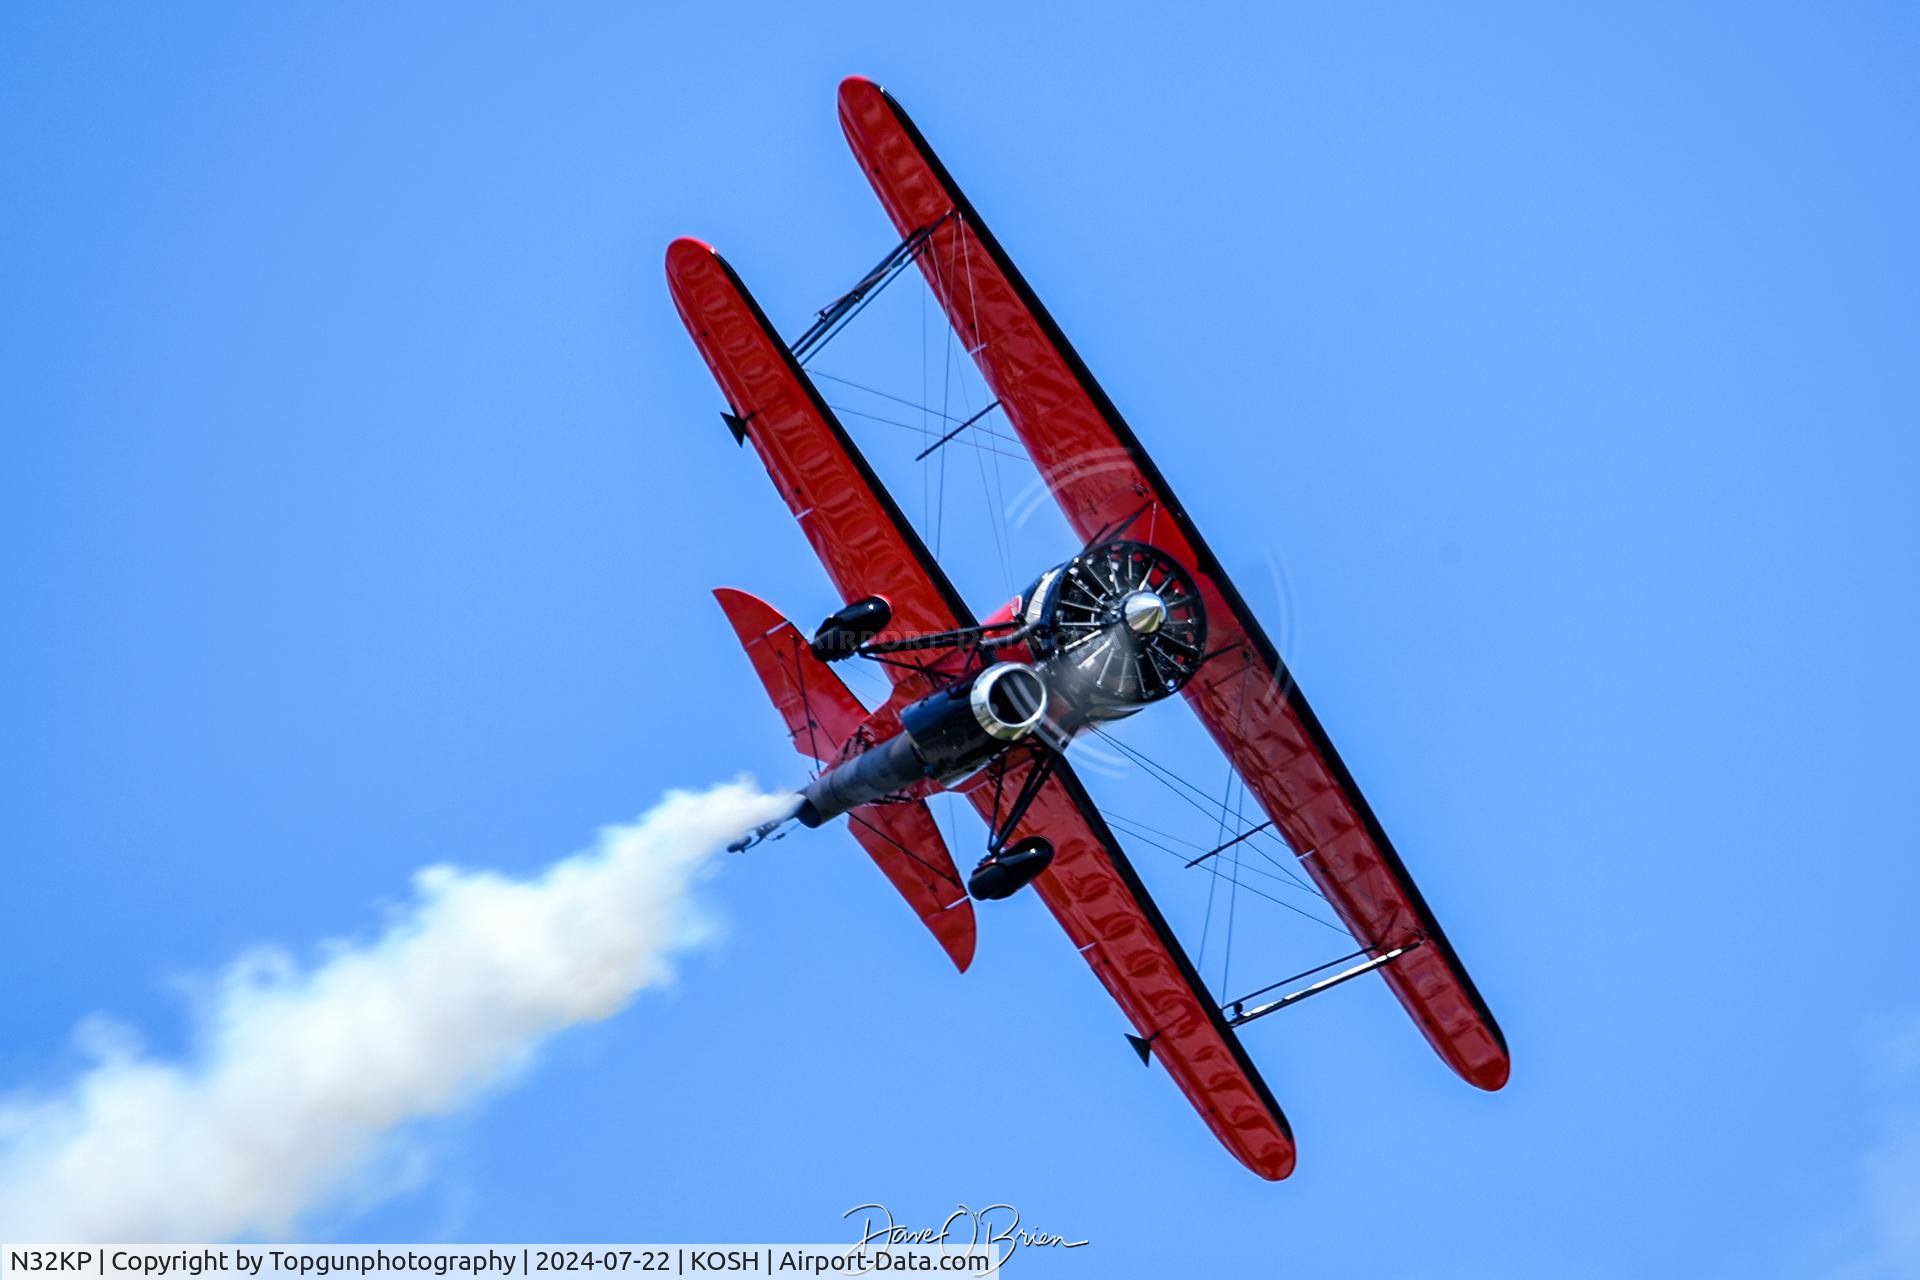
column 1009, row 868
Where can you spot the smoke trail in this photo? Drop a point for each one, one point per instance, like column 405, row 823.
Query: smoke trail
column 304, row 1071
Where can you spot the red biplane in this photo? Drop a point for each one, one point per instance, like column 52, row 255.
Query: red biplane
column 986, row 709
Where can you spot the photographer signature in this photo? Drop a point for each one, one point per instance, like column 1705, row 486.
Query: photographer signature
column 997, row 1226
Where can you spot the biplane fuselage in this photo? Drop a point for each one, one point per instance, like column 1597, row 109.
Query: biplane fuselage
column 1141, row 612
column 1094, row 639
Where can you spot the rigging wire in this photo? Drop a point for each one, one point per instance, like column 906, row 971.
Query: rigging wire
column 875, row 391
column 1219, row 875
column 941, row 872
column 946, row 403
column 996, row 494
column 1140, row 831
column 926, row 427
column 1173, row 782
column 1173, row 836
column 908, row 426
column 1239, row 820
column 909, row 403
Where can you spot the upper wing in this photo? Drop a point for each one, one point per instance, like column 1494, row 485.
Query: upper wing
column 1100, row 901
column 1103, row 479
column 854, row 525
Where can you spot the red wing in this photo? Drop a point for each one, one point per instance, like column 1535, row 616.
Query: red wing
column 855, row 527
column 1099, row 900
column 1104, row 480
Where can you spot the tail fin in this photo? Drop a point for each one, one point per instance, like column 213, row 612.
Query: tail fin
column 822, row 716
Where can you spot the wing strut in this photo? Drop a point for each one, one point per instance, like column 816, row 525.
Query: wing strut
column 1238, row 1015
column 1248, row 834
column 1022, row 801
column 922, row 455
column 837, row 314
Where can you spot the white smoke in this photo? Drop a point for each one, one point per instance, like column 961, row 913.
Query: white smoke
column 1879, row 1239
column 304, row 1071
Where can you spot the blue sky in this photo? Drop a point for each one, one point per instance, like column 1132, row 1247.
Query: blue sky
column 1545, row 379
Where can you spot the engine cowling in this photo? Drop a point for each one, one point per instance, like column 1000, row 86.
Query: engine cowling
column 1118, row 626
column 960, row 728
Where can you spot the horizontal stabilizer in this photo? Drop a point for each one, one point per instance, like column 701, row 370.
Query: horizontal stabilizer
column 905, row 841
column 823, row 716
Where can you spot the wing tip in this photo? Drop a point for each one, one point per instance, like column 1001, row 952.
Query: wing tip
column 1275, row 1162
column 1492, row 1075
column 956, row 930
column 864, row 105
column 1477, row 1054
column 691, row 264
column 960, row 947
column 681, row 248
column 857, row 86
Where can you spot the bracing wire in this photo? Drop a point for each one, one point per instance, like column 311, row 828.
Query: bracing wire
column 1220, row 875
column 908, row 426
column 909, row 403
column 1140, row 830
column 1203, row 803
